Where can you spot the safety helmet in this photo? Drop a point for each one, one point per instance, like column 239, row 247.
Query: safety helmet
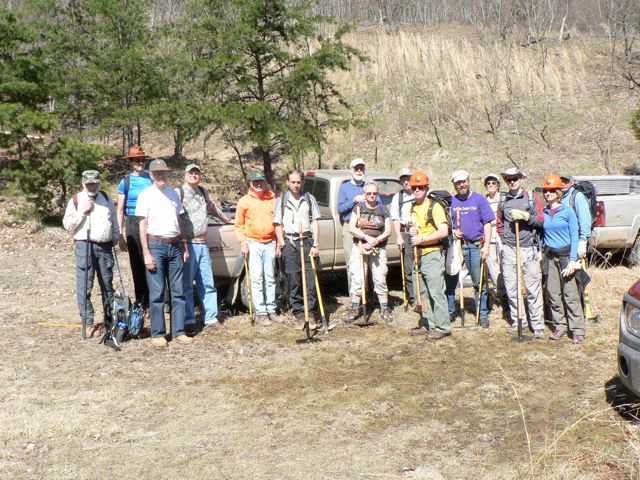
column 552, row 182
column 419, row 179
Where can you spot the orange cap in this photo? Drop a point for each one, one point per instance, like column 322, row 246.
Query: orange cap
column 552, row 182
column 135, row 152
column 419, row 179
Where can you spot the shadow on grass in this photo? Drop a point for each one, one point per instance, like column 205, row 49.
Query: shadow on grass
column 622, row 400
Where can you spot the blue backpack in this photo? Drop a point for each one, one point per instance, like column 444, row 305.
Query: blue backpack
column 136, row 320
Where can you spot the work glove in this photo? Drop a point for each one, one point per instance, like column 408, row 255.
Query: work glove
column 582, row 248
column 571, row 268
column 520, row 215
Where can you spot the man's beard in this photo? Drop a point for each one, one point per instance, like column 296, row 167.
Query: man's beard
column 358, row 176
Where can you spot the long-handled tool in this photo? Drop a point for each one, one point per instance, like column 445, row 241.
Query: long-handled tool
column 247, row 276
column 325, row 325
column 586, row 299
column 460, row 278
column 416, row 272
column 363, row 291
column 481, row 286
column 405, row 301
column 303, row 272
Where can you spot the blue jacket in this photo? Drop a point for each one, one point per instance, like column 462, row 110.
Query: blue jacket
column 560, row 229
column 348, row 191
column 582, row 210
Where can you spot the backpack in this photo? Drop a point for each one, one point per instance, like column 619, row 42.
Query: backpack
column 305, row 196
column 442, row 198
column 200, row 189
column 588, row 189
column 135, row 322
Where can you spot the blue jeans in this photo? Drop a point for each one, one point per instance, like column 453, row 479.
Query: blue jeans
column 472, row 260
column 263, row 279
column 168, row 258
column 199, row 267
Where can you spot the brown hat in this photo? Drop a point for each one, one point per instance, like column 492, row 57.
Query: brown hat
column 158, row 166
column 135, row 153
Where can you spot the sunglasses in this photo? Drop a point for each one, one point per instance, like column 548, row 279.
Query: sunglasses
column 418, row 188
column 549, row 191
column 491, row 182
column 511, row 179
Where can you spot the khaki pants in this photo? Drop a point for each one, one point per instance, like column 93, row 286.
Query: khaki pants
column 532, row 273
column 432, row 289
column 377, row 265
column 564, row 300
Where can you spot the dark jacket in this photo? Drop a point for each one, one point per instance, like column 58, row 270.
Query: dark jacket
column 530, row 230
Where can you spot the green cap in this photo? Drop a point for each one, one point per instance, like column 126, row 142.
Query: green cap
column 90, row 176
column 192, row 166
column 158, row 166
column 256, row 177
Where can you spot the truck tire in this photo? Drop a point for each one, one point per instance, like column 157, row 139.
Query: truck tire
column 633, row 256
column 282, row 288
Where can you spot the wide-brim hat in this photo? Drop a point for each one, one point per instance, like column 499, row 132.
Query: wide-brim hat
column 158, row 166
column 90, row 176
column 405, row 172
column 513, row 172
column 489, row 176
column 135, row 153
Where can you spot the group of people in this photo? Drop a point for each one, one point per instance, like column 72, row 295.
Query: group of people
column 164, row 231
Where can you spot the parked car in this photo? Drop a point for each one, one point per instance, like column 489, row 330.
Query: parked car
column 629, row 341
column 617, row 222
column 228, row 266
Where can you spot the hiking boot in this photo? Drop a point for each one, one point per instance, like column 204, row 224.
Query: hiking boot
column 298, row 318
column 213, row 326
column 159, row 342
column 275, row 318
column 262, row 320
column 183, row 339
column 484, row 323
column 418, row 331
column 577, row 339
column 434, row 336
column 539, row 334
column 313, row 325
column 353, row 314
column 386, row 315
column 331, row 324
column 557, row 334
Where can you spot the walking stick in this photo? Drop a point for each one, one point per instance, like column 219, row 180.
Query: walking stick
column 405, row 302
column 303, row 272
column 363, row 290
column 518, row 281
column 479, row 301
column 247, row 276
column 586, row 299
column 460, row 279
column 325, row 326
column 416, row 271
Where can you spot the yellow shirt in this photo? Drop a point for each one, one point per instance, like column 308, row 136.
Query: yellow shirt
column 424, row 226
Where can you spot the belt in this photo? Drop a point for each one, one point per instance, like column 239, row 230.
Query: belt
column 169, row 240
column 471, row 242
column 296, row 236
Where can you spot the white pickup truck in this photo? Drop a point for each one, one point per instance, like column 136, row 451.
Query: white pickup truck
column 224, row 247
column 617, row 222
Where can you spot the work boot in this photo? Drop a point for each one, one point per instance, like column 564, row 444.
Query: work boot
column 578, row 339
column 385, row 314
column 557, row 334
column 275, row 318
column 538, row 334
column 263, row 320
column 159, row 342
column 436, row 335
column 298, row 318
column 354, row 313
column 183, row 339
column 417, row 331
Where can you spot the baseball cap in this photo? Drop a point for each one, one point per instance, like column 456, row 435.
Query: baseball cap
column 90, row 176
column 192, row 166
column 256, row 177
column 158, row 166
column 490, row 176
column 459, row 175
column 355, row 162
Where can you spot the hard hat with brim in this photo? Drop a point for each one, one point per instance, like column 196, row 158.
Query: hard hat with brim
column 513, row 172
column 192, row 166
column 256, row 177
column 355, row 162
column 552, row 182
column 90, row 176
column 158, row 166
column 419, row 179
column 135, row 153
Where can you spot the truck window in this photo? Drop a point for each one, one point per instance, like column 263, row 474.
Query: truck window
column 319, row 188
column 387, row 188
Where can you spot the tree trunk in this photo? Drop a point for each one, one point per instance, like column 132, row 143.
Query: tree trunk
column 266, row 165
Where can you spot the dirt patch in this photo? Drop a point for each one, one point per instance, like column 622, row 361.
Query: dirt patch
column 251, row 403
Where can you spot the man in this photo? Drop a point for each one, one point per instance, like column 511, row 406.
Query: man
column 296, row 216
column 165, row 251
column 429, row 229
column 520, row 206
column 474, row 231
column 91, row 219
column 577, row 201
column 257, row 235
column 129, row 188
column 400, row 212
column 197, row 206
column 371, row 228
column 492, row 186
column 350, row 194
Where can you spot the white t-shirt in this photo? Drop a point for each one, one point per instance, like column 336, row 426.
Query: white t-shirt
column 161, row 209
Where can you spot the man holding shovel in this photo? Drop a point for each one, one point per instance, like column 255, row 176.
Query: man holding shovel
column 526, row 209
column 472, row 226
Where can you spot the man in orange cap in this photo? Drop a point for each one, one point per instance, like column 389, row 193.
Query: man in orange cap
column 428, row 231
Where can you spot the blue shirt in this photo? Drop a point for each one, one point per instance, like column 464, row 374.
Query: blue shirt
column 560, row 230
column 137, row 183
column 475, row 212
column 348, row 191
column 582, row 211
